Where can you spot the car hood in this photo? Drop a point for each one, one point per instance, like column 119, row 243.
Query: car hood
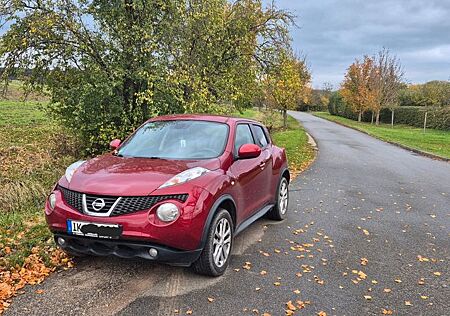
column 124, row 176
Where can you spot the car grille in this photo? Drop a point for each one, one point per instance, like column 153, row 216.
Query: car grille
column 125, row 205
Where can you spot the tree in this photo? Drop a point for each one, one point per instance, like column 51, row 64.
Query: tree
column 288, row 83
column 110, row 65
column 386, row 81
column 356, row 87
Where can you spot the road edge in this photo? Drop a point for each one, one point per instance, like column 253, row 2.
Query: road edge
column 414, row 150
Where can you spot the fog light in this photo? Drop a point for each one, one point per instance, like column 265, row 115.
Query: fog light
column 167, row 212
column 61, row 241
column 153, row 252
column 52, row 201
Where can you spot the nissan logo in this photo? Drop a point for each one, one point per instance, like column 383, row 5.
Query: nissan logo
column 98, row 204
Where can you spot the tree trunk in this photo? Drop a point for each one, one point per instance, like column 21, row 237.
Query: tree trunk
column 392, row 119
column 371, row 121
column 377, row 121
column 425, row 122
column 359, row 116
column 284, row 118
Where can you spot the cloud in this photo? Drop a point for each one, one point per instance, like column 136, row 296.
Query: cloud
column 332, row 33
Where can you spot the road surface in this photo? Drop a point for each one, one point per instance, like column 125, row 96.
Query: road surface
column 367, row 234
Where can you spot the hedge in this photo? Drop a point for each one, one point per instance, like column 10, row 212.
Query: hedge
column 437, row 118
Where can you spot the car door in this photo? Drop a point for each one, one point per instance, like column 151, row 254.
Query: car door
column 247, row 175
column 265, row 162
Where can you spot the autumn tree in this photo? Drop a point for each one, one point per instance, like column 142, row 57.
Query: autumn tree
column 288, row 83
column 386, row 81
column 109, row 65
column 356, row 88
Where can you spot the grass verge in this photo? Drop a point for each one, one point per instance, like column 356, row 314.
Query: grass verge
column 33, row 154
column 293, row 138
column 432, row 141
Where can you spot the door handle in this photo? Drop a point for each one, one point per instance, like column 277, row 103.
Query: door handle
column 262, row 165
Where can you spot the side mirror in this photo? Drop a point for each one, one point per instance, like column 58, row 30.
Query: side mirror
column 248, row 151
column 114, row 144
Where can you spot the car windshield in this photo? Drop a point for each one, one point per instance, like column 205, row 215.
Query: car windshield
column 183, row 140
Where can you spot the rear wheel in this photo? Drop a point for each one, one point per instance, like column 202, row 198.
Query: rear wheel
column 215, row 257
column 279, row 211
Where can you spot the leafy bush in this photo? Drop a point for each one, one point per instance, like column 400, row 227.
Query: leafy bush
column 438, row 117
column 338, row 106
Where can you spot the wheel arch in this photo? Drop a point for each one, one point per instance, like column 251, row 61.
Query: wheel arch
column 225, row 201
column 286, row 174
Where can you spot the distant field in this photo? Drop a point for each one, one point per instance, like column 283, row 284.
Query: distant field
column 432, row 141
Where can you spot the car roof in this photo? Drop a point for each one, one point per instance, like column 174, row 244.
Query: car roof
column 203, row 117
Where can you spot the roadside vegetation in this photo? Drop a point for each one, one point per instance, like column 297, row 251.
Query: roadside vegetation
column 432, row 141
column 33, row 154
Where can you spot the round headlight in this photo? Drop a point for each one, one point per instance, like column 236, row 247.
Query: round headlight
column 52, row 201
column 167, row 212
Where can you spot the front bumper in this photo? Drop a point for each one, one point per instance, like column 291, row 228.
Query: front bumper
column 126, row 249
column 184, row 234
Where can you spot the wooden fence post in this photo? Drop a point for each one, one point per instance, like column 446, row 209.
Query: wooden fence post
column 425, row 122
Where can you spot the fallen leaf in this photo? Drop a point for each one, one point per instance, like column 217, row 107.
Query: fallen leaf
column 321, row 313
column 297, row 291
column 368, row 297
column 211, row 299
column 386, row 311
column 277, row 283
column 291, row 306
column 189, row 312
column 387, row 290
column 39, row 291
column 263, row 272
column 408, row 303
column 366, row 232
column 437, row 273
column 364, row 261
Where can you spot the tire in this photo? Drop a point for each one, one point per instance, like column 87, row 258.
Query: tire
column 208, row 263
column 279, row 211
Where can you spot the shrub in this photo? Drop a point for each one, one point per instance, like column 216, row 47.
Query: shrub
column 438, row 117
column 338, row 106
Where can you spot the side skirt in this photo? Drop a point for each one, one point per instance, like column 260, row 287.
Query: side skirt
column 253, row 219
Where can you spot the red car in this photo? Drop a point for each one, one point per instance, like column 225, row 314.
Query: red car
column 176, row 191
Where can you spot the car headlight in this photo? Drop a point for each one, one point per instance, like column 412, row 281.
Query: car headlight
column 72, row 168
column 185, row 176
column 167, row 212
column 52, row 200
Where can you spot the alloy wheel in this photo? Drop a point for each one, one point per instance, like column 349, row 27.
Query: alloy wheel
column 222, row 242
column 283, row 197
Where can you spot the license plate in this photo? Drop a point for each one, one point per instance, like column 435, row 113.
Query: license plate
column 93, row 229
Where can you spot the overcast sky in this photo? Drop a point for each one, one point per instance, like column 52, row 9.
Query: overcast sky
column 332, row 33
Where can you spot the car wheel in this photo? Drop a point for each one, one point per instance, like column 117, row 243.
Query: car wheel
column 215, row 257
column 279, row 211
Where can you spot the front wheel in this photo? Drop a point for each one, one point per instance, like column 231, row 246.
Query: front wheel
column 216, row 255
column 278, row 212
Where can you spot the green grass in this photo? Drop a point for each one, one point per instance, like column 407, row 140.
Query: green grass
column 293, row 138
column 432, row 141
column 33, row 154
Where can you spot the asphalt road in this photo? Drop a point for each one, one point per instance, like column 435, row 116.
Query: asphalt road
column 368, row 232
